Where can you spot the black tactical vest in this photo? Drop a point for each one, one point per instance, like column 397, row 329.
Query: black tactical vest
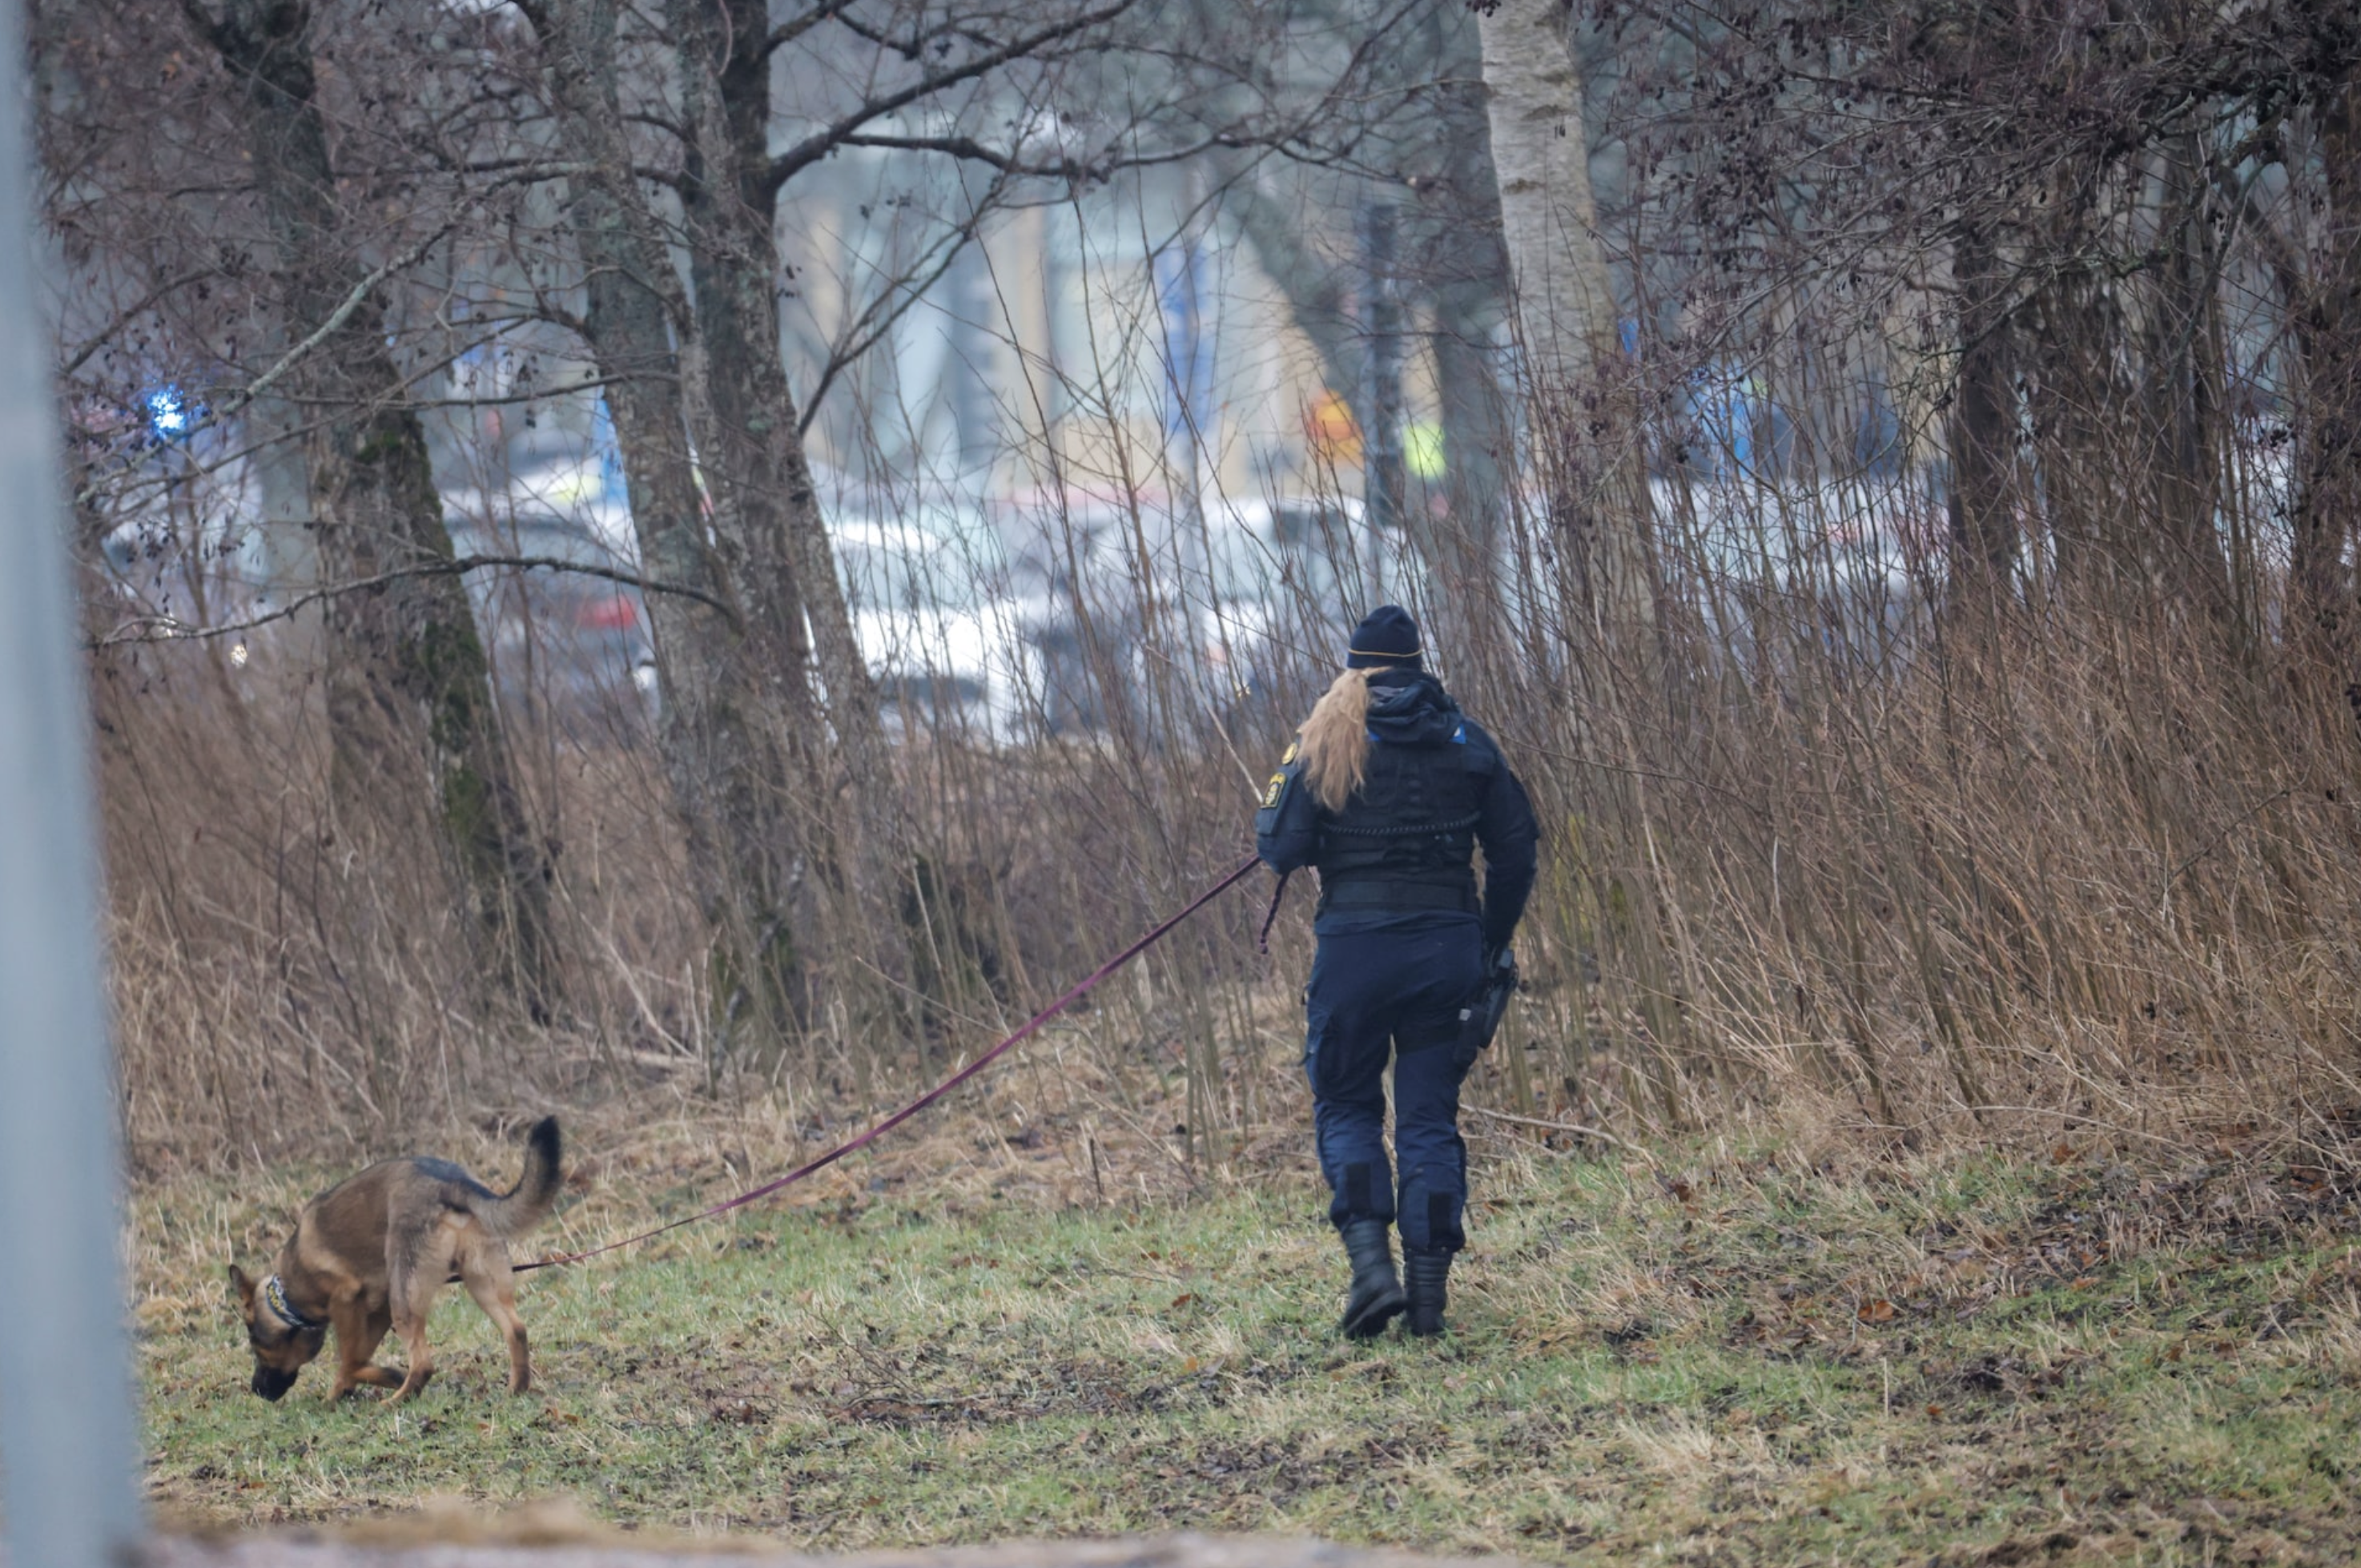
column 1407, row 838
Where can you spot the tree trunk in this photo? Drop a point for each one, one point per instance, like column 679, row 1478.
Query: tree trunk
column 407, row 673
column 1476, row 444
column 2323, row 618
column 1583, row 428
column 1384, row 483
column 767, row 520
column 1453, row 256
column 1982, row 422
column 1541, row 155
column 2184, row 395
column 1467, row 276
column 728, row 659
column 2086, row 473
column 1318, row 298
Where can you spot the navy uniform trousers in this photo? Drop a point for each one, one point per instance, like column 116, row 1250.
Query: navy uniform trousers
column 1396, row 992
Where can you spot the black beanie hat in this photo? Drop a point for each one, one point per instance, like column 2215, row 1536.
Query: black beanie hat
column 1387, row 636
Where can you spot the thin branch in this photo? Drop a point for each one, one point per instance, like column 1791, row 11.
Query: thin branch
column 817, row 145
column 788, row 31
column 876, row 320
column 125, row 316
column 2164, row 894
column 967, row 148
column 396, row 399
column 167, row 629
column 337, row 318
column 541, row 394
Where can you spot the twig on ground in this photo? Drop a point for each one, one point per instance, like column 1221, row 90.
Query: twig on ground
column 1575, row 1127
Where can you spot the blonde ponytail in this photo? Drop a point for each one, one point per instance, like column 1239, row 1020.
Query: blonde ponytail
column 1335, row 741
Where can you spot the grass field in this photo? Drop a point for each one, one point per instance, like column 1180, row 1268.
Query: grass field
column 1701, row 1356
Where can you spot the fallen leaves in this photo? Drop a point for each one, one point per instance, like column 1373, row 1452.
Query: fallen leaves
column 1558, row 1336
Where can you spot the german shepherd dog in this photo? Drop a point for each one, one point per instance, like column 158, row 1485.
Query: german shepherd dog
column 369, row 1255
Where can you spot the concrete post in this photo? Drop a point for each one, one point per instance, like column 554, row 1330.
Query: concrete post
column 68, row 1444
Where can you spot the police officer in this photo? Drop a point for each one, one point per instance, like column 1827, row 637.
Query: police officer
column 1387, row 790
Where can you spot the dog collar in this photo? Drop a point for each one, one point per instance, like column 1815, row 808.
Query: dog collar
column 274, row 1294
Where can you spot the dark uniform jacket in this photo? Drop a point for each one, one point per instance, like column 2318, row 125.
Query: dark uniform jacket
column 1400, row 852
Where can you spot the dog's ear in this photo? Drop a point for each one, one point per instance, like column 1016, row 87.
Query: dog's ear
column 241, row 1287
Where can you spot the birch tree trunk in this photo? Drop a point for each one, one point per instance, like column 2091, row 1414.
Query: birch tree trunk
column 1583, row 426
column 1541, row 155
column 407, row 679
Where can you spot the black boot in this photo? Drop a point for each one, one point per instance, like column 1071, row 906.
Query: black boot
column 1428, row 1273
column 1377, row 1295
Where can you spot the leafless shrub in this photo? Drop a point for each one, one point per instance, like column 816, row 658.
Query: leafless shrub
column 1983, row 767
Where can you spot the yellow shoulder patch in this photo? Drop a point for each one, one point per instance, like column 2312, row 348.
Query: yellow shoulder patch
column 1292, row 747
column 1270, row 791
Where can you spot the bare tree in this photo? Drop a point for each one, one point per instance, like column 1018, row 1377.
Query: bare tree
column 1540, row 158
column 407, row 680
column 702, row 356
column 2324, row 300
column 1566, row 306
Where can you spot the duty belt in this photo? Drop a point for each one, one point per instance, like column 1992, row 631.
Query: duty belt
column 1409, row 830
column 1373, row 893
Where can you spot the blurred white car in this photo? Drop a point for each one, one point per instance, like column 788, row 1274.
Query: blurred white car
column 939, row 624
column 574, row 645
column 1850, row 559
column 1281, row 585
column 1129, row 601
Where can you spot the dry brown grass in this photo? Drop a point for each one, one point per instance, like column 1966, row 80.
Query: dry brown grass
column 2110, row 893
column 2058, row 863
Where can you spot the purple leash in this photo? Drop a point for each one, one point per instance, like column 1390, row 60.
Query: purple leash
column 1029, row 1027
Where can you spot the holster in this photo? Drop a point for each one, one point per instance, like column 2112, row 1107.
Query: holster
column 1480, row 1019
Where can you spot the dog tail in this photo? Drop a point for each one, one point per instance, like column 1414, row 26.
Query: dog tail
column 526, row 1204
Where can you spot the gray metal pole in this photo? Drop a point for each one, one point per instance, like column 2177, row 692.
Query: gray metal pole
column 1384, row 485
column 69, row 1443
